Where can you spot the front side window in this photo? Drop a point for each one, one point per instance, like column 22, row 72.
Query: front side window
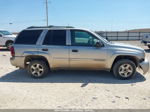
column 82, row 38
column 28, row 37
column 55, row 37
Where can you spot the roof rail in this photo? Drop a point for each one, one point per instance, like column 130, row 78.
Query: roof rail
column 51, row 26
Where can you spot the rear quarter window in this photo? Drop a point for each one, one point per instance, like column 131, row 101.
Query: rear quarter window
column 28, row 37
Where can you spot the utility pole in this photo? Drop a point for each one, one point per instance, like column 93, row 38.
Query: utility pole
column 47, row 13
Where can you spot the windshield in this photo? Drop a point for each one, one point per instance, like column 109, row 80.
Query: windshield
column 5, row 33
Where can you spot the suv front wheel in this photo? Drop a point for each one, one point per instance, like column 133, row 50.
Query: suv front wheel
column 149, row 46
column 38, row 69
column 124, row 69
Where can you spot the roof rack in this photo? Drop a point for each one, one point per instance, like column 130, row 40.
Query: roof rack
column 51, row 26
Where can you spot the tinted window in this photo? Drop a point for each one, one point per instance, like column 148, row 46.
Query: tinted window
column 28, row 37
column 82, row 38
column 55, row 37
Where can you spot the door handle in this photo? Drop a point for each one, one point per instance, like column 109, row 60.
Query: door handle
column 45, row 49
column 74, row 50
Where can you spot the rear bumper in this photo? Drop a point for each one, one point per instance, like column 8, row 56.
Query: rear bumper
column 144, row 66
column 17, row 61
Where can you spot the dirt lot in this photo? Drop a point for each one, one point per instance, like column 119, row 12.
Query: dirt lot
column 71, row 89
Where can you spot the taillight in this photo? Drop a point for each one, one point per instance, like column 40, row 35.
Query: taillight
column 12, row 51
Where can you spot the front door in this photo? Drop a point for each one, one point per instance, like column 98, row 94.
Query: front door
column 83, row 53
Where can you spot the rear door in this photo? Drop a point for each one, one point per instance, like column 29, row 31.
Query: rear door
column 55, row 45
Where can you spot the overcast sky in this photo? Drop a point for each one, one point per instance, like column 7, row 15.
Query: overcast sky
column 92, row 14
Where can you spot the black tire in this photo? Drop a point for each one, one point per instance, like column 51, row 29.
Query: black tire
column 39, row 74
column 149, row 46
column 117, row 69
column 9, row 44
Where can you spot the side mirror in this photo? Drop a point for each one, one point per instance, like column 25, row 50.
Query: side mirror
column 99, row 44
column 1, row 35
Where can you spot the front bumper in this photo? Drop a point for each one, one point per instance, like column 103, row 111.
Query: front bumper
column 144, row 66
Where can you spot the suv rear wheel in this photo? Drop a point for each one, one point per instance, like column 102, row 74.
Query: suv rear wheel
column 124, row 69
column 38, row 69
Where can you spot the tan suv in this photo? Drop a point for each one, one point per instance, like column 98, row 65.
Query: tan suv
column 40, row 49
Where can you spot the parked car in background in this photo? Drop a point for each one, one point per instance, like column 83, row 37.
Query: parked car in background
column 146, row 40
column 39, row 50
column 6, row 38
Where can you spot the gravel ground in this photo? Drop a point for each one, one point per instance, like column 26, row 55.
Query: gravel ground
column 71, row 89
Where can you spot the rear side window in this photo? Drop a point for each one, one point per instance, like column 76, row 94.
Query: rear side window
column 28, row 37
column 55, row 37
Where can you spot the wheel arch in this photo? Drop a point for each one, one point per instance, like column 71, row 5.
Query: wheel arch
column 30, row 58
column 132, row 58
